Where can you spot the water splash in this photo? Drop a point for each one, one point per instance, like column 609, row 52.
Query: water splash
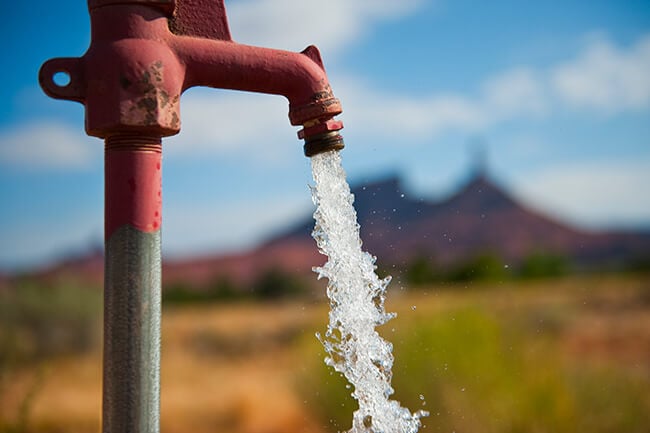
column 357, row 297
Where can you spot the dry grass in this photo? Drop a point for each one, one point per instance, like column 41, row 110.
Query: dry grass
column 234, row 368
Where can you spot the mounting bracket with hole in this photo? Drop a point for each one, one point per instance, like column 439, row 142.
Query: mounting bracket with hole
column 50, row 76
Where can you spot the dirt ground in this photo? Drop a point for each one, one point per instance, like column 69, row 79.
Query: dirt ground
column 234, row 368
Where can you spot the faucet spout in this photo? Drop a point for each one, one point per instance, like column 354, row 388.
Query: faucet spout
column 300, row 77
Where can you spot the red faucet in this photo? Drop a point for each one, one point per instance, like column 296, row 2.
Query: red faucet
column 145, row 53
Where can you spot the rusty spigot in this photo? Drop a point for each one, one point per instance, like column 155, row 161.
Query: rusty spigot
column 143, row 54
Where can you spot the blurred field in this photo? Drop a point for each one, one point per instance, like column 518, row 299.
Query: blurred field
column 564, row 355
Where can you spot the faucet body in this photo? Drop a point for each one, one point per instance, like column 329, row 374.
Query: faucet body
column 132, row 76
column 143, row 55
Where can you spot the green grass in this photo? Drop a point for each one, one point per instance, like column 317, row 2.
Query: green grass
column 490, row 358
column 40, row 322
column 486, row 370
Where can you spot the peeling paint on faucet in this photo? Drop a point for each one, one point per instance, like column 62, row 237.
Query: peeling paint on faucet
column 154, row 107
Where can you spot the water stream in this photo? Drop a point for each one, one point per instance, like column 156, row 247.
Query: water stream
column 357, row 296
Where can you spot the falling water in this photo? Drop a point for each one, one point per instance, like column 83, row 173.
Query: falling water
column 357, row 296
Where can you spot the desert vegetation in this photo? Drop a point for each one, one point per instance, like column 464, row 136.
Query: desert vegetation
column 555, row 354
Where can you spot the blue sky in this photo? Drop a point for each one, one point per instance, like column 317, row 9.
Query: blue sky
column 559, row 92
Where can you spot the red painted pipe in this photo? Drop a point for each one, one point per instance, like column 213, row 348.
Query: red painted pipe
column 133, row 183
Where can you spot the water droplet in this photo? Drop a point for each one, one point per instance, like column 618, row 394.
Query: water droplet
column 402, row 195
column 462, row 390
column 414, row 307
column 421, row 397
column 506, row 266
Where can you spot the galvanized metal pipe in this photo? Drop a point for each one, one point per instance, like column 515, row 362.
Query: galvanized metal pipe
column 131, row 382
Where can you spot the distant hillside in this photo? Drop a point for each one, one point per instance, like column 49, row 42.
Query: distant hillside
column 479, row 218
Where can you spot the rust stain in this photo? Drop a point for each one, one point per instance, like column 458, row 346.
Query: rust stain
column 175, row 121
column 154, row 105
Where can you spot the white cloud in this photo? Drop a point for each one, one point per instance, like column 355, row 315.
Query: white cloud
column 606, row 77
column 47, row 144
column 26, row 244
column 603, row 194
column 293, row 25
column 519, row 91
column 603, row 77
column 237, row 226
column 230, row 123
column 372, row 113
column 513, row 94
column 236, row 126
